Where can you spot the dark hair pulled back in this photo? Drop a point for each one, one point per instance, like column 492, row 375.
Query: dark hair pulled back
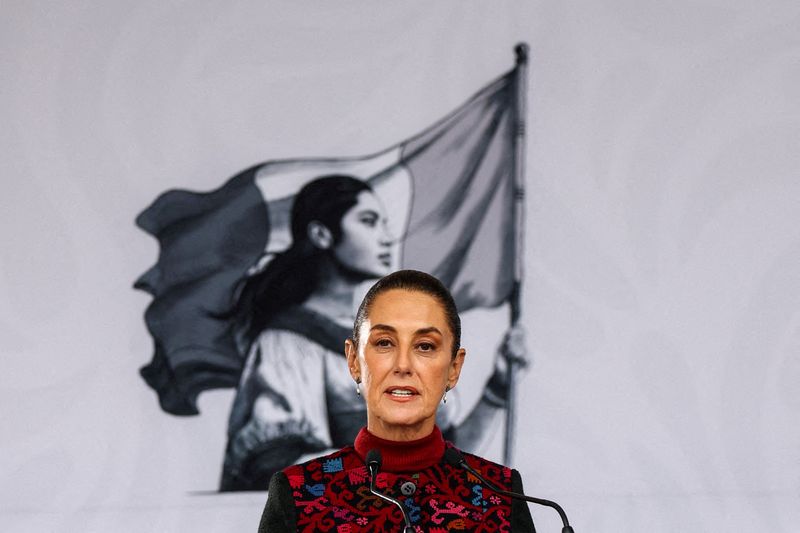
column 416, row 281
column 291, row 276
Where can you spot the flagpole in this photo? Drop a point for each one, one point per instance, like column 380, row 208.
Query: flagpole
column 520, row 94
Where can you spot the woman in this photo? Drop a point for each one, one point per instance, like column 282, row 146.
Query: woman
column 405, row 356
column 295, row 396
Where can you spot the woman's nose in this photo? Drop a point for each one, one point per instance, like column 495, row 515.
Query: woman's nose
column 402, row 362
column 386, row 238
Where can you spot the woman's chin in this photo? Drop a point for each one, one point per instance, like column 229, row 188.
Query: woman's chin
column 381, row 268
column 405, row 416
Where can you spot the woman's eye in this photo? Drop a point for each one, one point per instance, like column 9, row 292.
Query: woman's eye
column 426, row 347
column 383, row 343
column 369, row 220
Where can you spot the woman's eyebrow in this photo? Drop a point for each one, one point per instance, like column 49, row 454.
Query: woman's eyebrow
column 392, row 329
column 425, row 331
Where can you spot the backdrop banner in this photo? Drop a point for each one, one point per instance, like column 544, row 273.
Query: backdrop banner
column 196, row 197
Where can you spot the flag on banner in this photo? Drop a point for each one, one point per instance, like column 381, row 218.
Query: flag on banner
column 450, row 192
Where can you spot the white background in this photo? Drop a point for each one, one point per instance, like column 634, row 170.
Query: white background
column 662, row 289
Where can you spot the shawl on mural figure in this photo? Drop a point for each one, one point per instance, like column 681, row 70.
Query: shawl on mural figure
column 453, row 183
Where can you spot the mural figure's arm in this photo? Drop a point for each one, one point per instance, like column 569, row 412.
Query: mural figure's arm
column 494, row 400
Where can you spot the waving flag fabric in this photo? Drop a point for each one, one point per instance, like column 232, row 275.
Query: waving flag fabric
column 450, row 195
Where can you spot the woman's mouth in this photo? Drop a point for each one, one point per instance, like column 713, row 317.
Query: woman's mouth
column 385, row 259
column 402, row 393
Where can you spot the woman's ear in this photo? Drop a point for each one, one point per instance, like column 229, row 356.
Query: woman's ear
column 456, row 364
column 320, row 235
column 351, row 353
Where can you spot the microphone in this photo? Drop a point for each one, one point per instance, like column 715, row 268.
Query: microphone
column 454, row 458
column 374, row 464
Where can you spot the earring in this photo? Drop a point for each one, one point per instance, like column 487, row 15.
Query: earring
column 358, row 389
column 444, row 397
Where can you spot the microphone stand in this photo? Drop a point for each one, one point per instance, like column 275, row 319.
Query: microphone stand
column 457, row 459
column 373, row 464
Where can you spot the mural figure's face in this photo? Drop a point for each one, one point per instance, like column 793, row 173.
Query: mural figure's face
column 404, row 359
column 365, row 244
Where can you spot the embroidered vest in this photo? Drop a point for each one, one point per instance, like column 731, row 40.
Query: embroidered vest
column 332, row 494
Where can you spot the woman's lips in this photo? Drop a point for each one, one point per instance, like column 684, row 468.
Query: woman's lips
column 402, row 394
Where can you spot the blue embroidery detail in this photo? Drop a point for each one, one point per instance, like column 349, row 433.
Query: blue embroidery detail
column 316, row 490
column 477, row 501
column 332, row 465
column 413, row 509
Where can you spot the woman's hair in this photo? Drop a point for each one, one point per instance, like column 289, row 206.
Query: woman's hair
column 291, row 276
column 415, row 281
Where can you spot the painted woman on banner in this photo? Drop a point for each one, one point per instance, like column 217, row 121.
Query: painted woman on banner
column 255, row 282
column 295, row 395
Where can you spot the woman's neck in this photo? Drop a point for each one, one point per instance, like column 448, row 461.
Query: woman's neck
column 333, row 296
column 402, row 456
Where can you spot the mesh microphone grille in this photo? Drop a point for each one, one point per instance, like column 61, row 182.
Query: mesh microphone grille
column 453, row 457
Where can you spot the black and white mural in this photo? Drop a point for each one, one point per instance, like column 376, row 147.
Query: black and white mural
column 257, row 282
column 196, row 194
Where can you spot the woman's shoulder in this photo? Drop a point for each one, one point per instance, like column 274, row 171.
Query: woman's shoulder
column 342, row 460
column 282, row 336
column 274, row 345
column 300, row 325
column 495, row 472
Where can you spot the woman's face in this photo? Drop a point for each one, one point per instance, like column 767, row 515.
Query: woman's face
column 365, row 244
column 404, row 359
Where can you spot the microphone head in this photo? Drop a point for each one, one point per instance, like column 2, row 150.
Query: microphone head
column 374, row 458
column 453, row 457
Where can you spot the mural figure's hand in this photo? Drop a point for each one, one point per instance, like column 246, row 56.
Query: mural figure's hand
column 512, row 350
column 513, row 347
column 512, row 353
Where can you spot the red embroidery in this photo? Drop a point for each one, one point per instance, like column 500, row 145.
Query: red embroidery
column 445, row 499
